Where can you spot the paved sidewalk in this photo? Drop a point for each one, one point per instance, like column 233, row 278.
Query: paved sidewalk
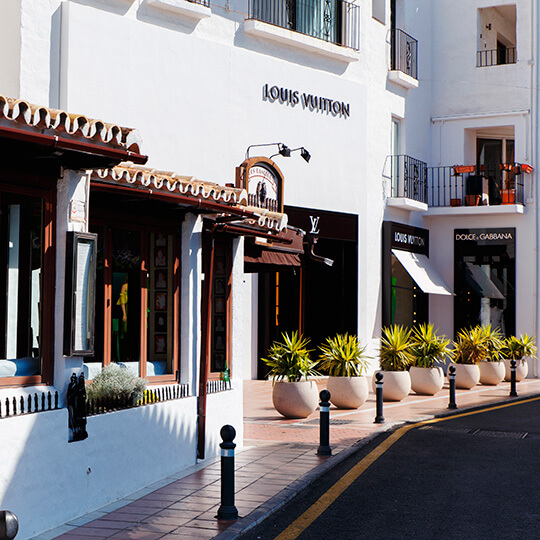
column 277, row 461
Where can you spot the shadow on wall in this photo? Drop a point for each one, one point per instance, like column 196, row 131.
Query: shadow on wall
column 47, row 481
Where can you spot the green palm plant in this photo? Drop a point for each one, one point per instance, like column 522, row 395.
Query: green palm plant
column 290, row 358
column 427, row 347
column 494, row 343
column 470, row 346
column 343, row 356
column 517, row 348
column 395, row 349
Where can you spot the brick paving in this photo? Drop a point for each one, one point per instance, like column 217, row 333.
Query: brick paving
column 277, row 461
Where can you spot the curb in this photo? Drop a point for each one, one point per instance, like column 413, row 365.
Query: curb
column 265, row 510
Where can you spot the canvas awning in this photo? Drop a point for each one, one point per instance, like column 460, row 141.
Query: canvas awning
column 481, row 282
column 425, row 275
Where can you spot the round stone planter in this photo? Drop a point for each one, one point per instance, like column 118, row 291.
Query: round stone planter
column 347, row 392
column 396, row 384
column 467, row 376
column 522, row 369
column 295, row 399
column 426, row 381
column 491, row 373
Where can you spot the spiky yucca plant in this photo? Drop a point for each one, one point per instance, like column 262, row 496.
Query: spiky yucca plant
column 290, row 359
column 343, row 356
column 494, row 343
column 427, row 347
column 395, row 350
column 470, row 346
column 517, row 348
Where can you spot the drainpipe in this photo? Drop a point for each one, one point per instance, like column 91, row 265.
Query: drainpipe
column 206, row 322
column 535, row 76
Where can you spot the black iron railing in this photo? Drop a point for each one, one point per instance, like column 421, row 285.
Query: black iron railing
column 32, row 403
column 335, row 21
column 469, row 185
column 215, row 386
column 201, row 2
column 408, row 177
column 150, row 396
column 496, row 57
column 404, row 53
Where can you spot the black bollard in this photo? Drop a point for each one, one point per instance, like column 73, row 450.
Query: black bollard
column 9, row 525
column 513, row 391
column 324, row 424
column 452, row 383
column 379, row 418
column 227, row 510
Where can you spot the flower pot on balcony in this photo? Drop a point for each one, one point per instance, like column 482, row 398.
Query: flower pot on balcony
column 508, row 196
column 472, row 200
column 455, row 202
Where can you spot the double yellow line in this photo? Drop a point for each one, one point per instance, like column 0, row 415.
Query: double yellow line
column 297, row 527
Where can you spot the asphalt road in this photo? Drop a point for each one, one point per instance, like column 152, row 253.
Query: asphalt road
column 471, row 477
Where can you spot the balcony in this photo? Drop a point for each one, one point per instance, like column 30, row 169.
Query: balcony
column 333, row 21
column 408, row 183
column 494, row 186
column 403, row 59
column 496, row 57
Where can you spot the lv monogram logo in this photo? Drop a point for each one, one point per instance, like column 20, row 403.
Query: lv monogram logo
column 314, row 224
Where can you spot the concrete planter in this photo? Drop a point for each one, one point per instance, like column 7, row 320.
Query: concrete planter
column 347, row 392
column 522, row 369
column 426, row 381
column 491, row 373
column 396, row 384
column 467, row 376
column 295, row 399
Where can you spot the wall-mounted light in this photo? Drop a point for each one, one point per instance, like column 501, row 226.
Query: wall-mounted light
column 488, row 26
column 283, row 150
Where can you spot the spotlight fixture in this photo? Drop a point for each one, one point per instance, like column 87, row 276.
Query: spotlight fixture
column 284, row 150
column 305, row 154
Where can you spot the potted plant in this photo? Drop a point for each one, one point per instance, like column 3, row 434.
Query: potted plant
column 395, row 357
column 427, row 349
column 492, row 366
column 289, row 360
column 344, row 359
column 469, row 348
column 518, row 349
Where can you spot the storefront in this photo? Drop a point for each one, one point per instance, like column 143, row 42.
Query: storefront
column 408, row 275
column 484, row 278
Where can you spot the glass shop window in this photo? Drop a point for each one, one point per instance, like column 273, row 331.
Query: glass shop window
column 137, row 302
column 409, row 304
column 22, row 226
column 484, row 277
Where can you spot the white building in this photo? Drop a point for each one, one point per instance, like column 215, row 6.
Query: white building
column 421, row 123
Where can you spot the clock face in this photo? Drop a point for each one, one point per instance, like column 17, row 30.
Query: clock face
column 263, row 187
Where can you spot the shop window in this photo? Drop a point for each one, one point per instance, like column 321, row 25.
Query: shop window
column 137, row 301
column 25, row 238
column 484, row 278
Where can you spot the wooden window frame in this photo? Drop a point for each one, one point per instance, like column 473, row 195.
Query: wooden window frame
column 152, row 225
column 44, row 188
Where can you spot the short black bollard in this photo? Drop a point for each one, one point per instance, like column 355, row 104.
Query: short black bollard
column 452, row 384
column 324, row 424
column 9, row 525
column 513, row 391
column 227, row 510
column 379, row 418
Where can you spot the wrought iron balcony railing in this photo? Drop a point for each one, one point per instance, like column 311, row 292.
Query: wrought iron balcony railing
column 408, row 177
column 202, row 2
column 335, row 21
column 470, row 185
column 404, row 52
column 496, row 57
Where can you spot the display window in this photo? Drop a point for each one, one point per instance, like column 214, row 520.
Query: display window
column 26, row 275
column 484, row 278
column 137, row 311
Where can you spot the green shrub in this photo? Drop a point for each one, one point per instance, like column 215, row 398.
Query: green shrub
column 116, row 381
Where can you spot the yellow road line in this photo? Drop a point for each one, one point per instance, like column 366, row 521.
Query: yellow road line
column 297, row 527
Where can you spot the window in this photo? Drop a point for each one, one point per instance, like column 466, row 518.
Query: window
column 378, row 10
column 26, row 273
column 496, row 36
column 137, row 300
